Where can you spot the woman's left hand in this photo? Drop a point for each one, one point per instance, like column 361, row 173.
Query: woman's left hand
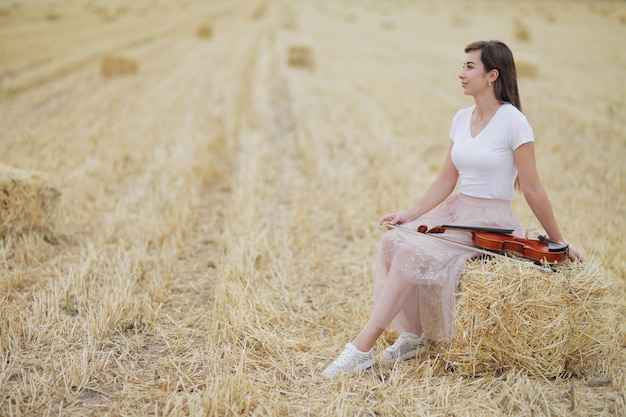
column 575, row 256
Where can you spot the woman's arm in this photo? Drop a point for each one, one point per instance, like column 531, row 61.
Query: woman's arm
column 536, row 195
column 440, row 188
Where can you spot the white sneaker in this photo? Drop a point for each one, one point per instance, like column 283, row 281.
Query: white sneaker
column 350, row 361
column 406, row 347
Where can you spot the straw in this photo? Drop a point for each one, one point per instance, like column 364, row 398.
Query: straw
column 547, row 323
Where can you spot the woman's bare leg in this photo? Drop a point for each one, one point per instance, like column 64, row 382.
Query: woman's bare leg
column 398, row 295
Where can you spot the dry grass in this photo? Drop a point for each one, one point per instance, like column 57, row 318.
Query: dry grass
column 219, row 210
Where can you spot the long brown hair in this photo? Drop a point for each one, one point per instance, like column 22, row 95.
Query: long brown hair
column 496, row 55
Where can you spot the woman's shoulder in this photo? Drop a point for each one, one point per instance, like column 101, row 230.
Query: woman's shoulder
column 512, row 114
column 469, row 109
column 511, row 110
column 464, row 112
column 520, row 130
column 460, row 121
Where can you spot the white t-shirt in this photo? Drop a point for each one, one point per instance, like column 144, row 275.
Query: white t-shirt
column 485, row 163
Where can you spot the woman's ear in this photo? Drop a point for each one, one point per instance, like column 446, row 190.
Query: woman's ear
column 493, row 75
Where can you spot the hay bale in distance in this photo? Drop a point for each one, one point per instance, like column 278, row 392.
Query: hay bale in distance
column 526, row 67
column 300, row 56
column 521, row 31
column 510, row 316
column 290, row 23
column 387, row 25
column 52, row 15
column 28, row 202
column 258, row 12
column 204, row 31
column 457, row 19
column 116, row 66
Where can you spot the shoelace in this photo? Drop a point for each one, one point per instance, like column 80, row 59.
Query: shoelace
column 343, row 358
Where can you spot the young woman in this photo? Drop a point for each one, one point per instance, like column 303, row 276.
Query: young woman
column 492, row 148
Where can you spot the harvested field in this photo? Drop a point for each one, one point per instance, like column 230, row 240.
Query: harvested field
column 214, row 206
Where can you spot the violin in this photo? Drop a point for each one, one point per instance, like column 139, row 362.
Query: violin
column 541, row 250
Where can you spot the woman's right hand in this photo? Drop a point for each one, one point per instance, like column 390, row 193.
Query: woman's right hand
column 395, row 218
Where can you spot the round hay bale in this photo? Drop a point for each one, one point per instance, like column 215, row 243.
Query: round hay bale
column 204, row 31
column 116, row 66
column 510, row 316
column 300, row 56
column 28, row 202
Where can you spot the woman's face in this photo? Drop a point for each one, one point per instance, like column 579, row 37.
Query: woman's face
column 473, row 77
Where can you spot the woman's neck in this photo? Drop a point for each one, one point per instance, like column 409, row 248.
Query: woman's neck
column 485, row 108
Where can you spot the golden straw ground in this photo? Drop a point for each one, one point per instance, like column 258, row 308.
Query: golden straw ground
column 220, row 206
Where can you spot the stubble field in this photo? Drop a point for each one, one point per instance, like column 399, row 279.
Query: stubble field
column 220, row 168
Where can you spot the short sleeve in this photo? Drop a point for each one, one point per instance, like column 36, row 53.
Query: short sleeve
column 455, row 124
column 521, row 132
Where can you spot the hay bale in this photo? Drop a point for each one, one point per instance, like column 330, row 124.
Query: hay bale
column 521, row 31
column 204, row 31
column 289, row 22
column 28, row 202
column 549, row 324
column 388, row 25
column 457, row 19
column 52, row 15
column 258, row 12
column 300, row 56
column 526, row 67
column 116, row 66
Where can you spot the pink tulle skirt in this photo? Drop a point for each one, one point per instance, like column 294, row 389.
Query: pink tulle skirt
column 416, row 277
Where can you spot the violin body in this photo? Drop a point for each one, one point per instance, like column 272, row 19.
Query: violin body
column 533, row 249
column 538, row 250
